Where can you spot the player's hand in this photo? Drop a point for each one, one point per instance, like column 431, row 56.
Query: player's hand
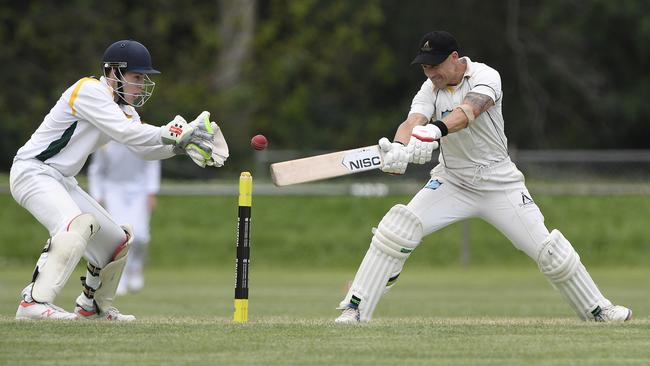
column 394, row 156
column 177, row 132
column 424, row 140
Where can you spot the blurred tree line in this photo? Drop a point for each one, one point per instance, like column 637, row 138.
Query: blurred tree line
column 326, row 75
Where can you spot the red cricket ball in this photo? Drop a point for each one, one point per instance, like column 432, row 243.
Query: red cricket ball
column 259, row 142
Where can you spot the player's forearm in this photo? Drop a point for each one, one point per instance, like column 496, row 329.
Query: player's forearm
column 455, row 121
column 403, row 134
column 473, row 105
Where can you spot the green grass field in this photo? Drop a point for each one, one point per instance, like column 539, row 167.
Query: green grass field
column 482, row 316
column 497, row 310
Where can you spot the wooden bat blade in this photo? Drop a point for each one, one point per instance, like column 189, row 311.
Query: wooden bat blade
column 325, row 166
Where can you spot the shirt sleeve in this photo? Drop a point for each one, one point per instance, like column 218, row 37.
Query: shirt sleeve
column 94, row 103
column 423, row 102
column 487, row 81
column 158, row 152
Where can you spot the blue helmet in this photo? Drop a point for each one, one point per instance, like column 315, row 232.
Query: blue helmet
column 129, row 55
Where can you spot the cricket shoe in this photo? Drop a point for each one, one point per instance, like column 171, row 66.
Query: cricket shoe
column 111, row 314
column 349, row 315
column 32, row 310
column 612, row 313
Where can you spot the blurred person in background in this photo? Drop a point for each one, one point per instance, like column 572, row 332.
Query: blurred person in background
column 89, row 114
column 126, row 186
column 459, row 109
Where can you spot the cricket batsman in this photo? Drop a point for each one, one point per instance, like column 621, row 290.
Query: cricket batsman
column 459, row 109
column 89, row 114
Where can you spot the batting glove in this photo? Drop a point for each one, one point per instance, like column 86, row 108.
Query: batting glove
column 394, row 157
column 424, row 140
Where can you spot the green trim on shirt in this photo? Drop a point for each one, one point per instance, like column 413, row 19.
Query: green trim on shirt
column 58, row 144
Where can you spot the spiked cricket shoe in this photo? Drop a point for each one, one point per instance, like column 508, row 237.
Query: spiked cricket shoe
column 42, row 311
column 111, row 314
column 348, row 316
column 613, row 313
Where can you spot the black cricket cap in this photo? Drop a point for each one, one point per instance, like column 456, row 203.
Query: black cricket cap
column 435, row 47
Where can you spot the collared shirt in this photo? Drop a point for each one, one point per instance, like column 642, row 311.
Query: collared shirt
column 85, row 118
column 483, row 142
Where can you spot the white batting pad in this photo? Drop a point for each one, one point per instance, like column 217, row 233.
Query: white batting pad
column 60, row 257
column 110, row 275
column 560, row 263
column 398, row 234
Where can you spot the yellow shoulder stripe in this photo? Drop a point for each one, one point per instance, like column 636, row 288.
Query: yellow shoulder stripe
column 76, row 91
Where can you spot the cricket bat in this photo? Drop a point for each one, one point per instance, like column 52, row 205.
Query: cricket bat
column 325, row 166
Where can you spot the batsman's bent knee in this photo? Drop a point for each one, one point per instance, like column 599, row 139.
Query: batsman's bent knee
column 560, row 263
column 557, row 259
column 395, row 238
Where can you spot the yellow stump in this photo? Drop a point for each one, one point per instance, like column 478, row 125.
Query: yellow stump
column 243, row 246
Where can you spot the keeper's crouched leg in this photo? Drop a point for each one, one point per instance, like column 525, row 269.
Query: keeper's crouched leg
column 560, row 263
column 60, row 257
column 100, row 286
column 398, row 234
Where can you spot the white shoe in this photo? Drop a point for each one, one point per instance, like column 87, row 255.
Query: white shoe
column 112, row 314
column 613, row 313
column 348, row 316
column 42, row 311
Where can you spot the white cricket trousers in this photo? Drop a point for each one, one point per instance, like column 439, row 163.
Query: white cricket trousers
column 496, row 194
column 54, row 200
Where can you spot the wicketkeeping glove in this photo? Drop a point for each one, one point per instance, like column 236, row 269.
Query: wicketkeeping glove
column 394, row 156
column 424, row 140
column 177, row 132
column 200, row 145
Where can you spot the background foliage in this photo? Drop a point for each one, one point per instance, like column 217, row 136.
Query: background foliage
column 336, row 74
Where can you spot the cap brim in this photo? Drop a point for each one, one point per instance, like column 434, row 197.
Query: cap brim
column 428, row 59
column 145, row 71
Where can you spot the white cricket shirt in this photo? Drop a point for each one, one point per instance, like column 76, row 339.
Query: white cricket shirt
column 85, row 118
column 484, row 141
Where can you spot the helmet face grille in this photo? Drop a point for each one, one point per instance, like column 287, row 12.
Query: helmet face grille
column 139, row 99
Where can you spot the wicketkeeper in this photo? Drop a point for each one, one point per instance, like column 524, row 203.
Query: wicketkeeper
column 89, row 114
column 459, row 108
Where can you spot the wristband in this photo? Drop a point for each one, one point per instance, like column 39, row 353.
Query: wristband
column 442, row 126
